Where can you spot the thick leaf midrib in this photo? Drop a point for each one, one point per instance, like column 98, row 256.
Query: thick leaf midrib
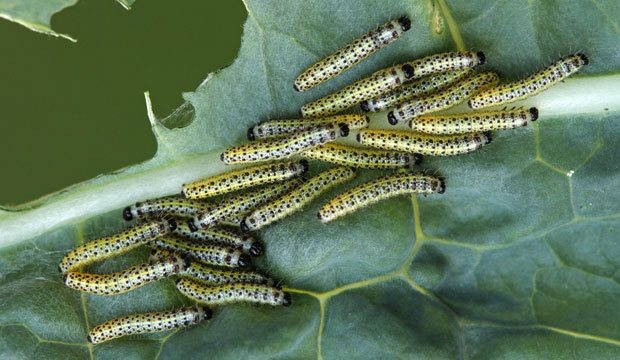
column 595, row 95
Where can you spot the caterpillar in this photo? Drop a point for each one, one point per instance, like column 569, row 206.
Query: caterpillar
column 361, row 157
column 351, row 54
column 148, row 323
column 244, row 178
column 412, row 89
column 242, row 203
column 448, row 61
column 382, row 188
column 234, row 292
column 284, row 147
column 108, row 246
column 169, row 205
column 425, row 144
column 212, row 254
column 531, row 85
column 211, row 275
column 273, row 128
column 473, row 122
column 126, row 280
column 244, row 242
column 296, row 199
column 443, row 99
column 372, row 86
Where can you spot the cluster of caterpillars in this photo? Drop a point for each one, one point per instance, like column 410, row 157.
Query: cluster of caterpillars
column 210, row 263
column 192, row 235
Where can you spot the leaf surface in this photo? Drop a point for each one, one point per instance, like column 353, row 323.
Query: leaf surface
column 36, row 15
column 518, row 259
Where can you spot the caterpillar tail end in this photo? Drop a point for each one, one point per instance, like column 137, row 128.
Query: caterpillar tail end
column 250, row 134
column 534, row 113
column 257, row 249
column 127, row 215
column 408, row 70
column 405, row 23
column 287, row 300
column 488, row 137
column 192, row 225
column 364, row 105
column 244, row 261
column 442, row 186
column 481, row 57
column 244, row 226
column 391, row 118
column 208, row 312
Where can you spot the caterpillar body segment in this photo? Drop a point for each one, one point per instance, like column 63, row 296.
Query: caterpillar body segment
column 351, row 54
column 425, row 144
column 400, row 183
column 213, row 275
column 296, row 199
column 358, row 157
column 531, row 85
column 283, row 147
column 148, row 323
column 443, row 62
column 412, row 89
column 169, row 205
column 443, row 99
column 244, row 178
column 473, row 122
column 242, row 203
column 220, row 235
column 126, row 280
column 103, row 248
column 276, row 128
column 233, row 292
column 372, row 86
column 212, row 254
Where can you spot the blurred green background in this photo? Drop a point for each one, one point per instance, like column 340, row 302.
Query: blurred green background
column 71, row 111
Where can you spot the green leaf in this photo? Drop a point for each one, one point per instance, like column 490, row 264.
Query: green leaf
column 518, row 259
column 126, row 3
column 36, row 15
